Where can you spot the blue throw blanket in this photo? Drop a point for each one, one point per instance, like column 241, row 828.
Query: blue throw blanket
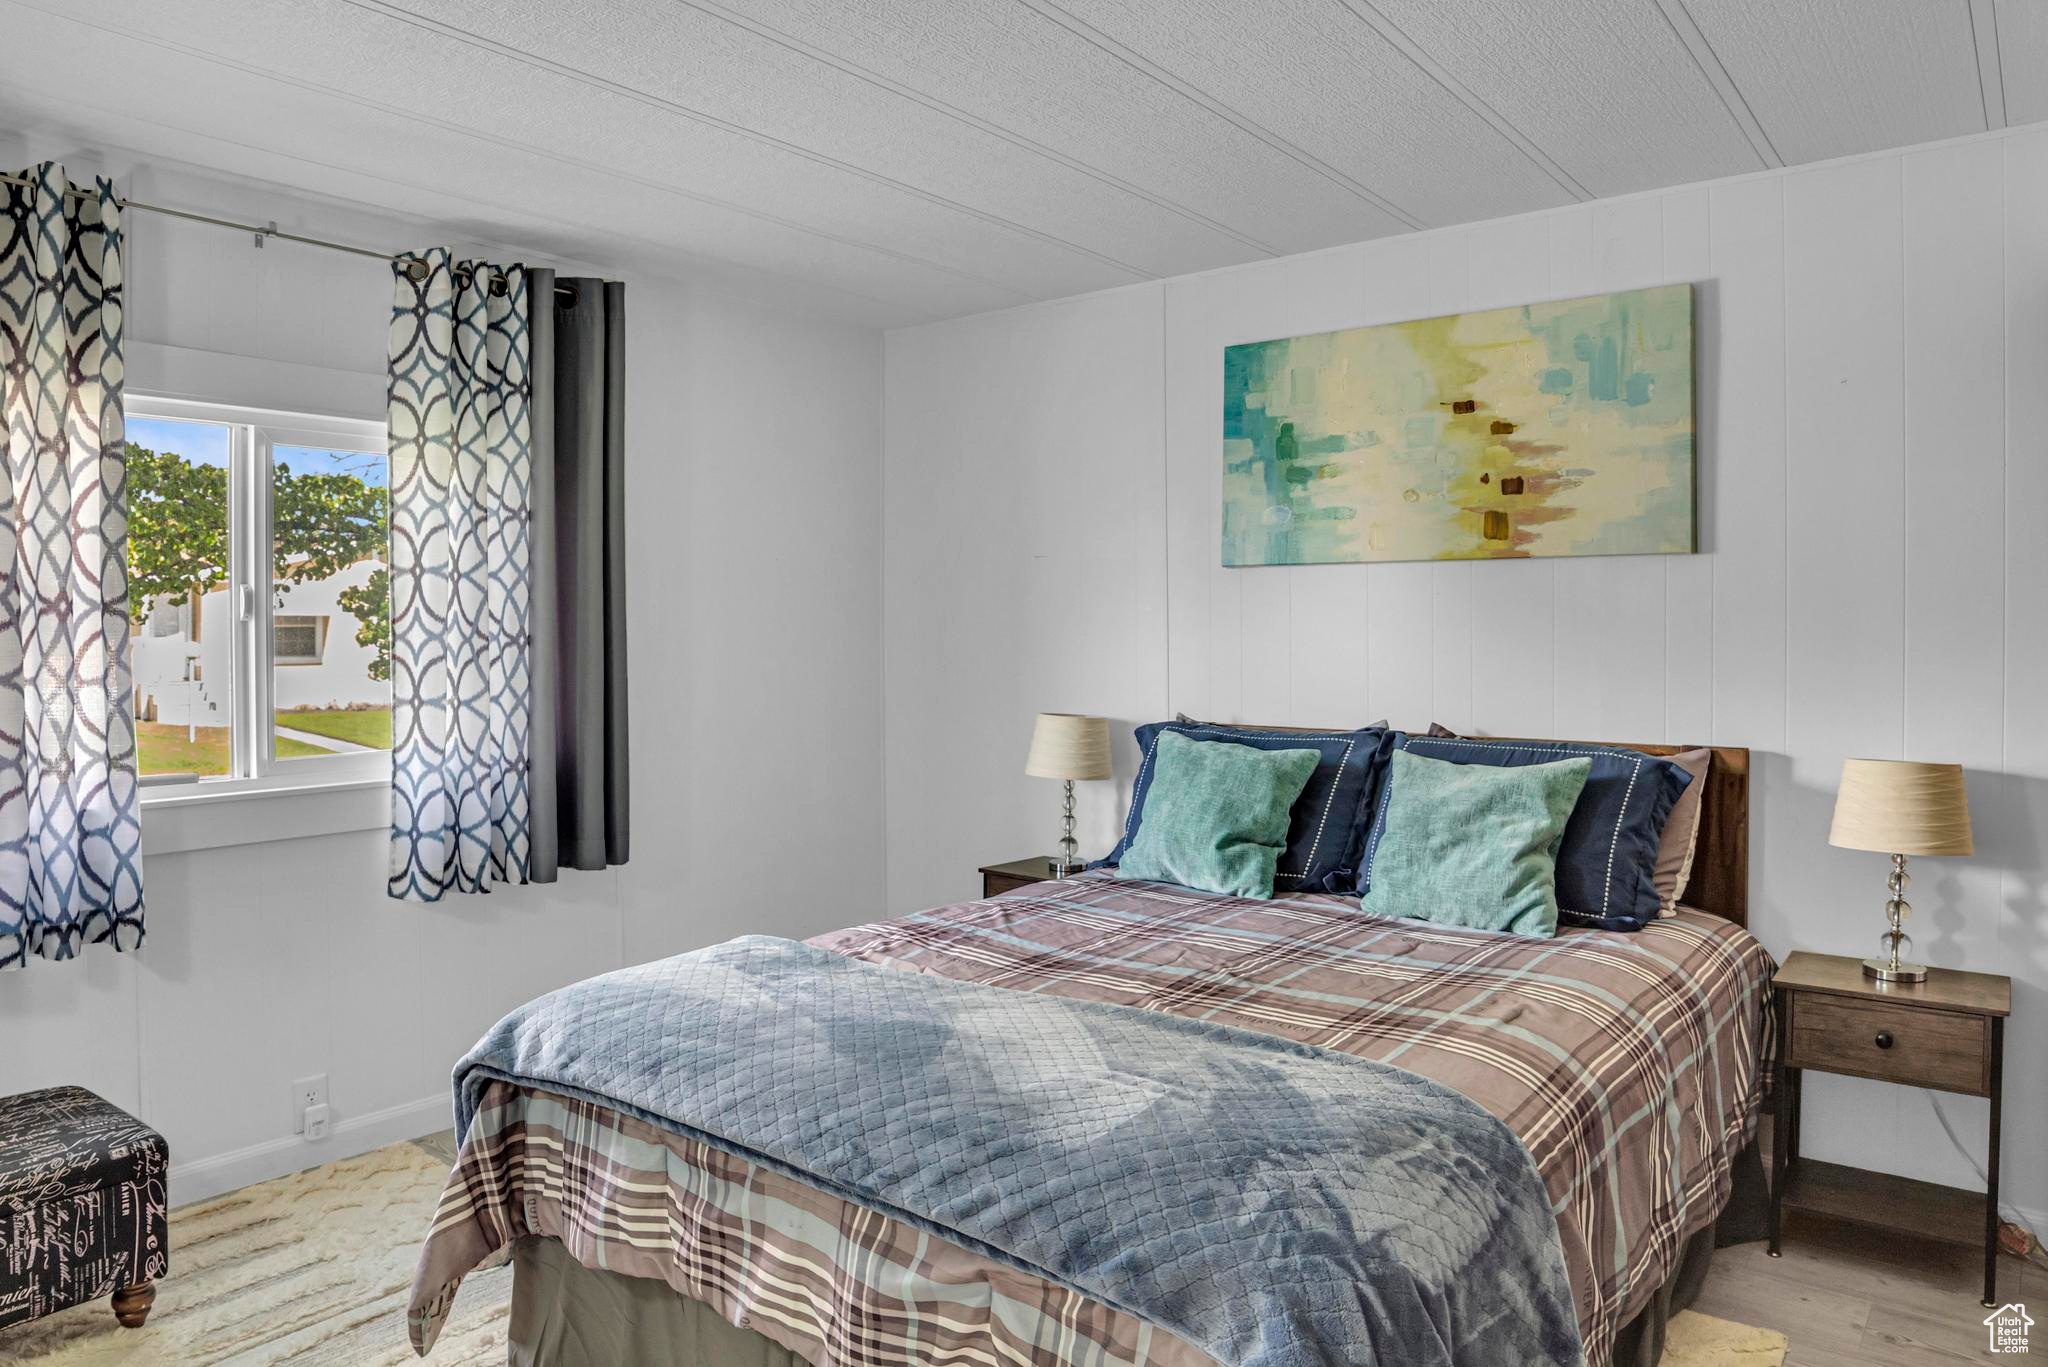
column 1277, row 1204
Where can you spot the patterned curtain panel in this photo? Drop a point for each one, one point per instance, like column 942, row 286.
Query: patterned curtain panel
column 70, row 838
column 460, row 446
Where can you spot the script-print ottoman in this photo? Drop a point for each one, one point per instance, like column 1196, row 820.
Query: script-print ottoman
column 81, row 1206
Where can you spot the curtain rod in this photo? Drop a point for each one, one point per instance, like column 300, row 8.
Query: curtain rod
column 415, row 269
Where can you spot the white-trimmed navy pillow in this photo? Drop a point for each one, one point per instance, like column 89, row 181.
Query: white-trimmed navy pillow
column 1327, row 825
column 1607, row 862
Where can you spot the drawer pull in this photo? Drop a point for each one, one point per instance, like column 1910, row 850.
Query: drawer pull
column 1884, row 1039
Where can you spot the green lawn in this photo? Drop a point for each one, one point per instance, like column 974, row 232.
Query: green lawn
column 163, row 749
column 371, row 727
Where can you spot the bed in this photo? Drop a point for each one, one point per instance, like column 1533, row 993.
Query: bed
column 1629, row 1066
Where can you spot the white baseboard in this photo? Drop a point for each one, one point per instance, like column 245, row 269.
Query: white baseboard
column 205, row 1177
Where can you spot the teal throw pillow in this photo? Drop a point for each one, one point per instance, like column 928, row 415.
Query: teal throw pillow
column 1473, row 845
column 1215, row 815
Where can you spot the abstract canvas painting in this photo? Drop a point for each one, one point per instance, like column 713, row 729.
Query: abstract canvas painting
column 1563, row 428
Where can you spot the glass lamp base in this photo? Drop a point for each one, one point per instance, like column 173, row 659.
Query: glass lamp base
column 1891, row 964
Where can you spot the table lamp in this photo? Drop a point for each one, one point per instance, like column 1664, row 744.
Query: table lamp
column 1065, row 746
column 1897, row 807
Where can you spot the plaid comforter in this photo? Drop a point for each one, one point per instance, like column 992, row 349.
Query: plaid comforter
column 1628, row 1065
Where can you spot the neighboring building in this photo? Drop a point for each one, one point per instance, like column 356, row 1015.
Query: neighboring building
column 182, row 654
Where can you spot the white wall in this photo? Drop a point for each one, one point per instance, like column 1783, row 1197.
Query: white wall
column 753, row 541
column 1873, row 411
column 1023, row 571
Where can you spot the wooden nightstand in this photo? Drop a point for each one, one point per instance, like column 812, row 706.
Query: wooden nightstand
column 997, row 879
column 1947, row 1033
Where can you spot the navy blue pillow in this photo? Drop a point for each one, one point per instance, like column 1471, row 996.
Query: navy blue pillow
column 1608, row 858
column 1328, row 823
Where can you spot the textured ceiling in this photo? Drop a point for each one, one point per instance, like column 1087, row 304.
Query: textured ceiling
column 892, row 161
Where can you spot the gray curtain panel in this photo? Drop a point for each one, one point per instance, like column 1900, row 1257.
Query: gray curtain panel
column 578, row 780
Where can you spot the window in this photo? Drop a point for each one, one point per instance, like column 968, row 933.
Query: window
column 259, row 546
column 298, row 640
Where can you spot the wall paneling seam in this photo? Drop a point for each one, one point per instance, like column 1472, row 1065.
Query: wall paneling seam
column 2005, row 875
column 1785, row 441
column 1906, row 473
column 1165, row 508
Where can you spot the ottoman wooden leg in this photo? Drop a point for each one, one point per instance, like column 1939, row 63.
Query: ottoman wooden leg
column 131, row 1304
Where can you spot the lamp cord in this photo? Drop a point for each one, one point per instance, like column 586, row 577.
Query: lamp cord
column 2006, row 1213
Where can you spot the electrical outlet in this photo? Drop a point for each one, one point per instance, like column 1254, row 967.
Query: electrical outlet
column 316, row 1122
column 307, row 1093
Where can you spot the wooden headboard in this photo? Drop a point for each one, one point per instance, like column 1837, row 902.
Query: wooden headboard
column 1720, row 860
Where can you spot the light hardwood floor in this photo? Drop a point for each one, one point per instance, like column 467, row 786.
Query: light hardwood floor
column 1847, row 1297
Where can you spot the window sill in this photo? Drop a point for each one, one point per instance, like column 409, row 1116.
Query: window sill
column 212, row 816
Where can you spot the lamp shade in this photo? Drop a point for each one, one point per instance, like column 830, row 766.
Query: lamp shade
column 1067, row 746
column 1899, row 807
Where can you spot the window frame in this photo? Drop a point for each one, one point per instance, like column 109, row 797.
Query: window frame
column 254, row 434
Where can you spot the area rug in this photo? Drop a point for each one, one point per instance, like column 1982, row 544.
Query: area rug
column 313, row 1270
column 1692, row 1340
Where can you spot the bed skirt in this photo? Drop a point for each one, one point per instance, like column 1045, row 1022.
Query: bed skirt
column 1745, row 1219
column 567, row 1315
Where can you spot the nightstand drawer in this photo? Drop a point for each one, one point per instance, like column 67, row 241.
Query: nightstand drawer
column 1941, row 1049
